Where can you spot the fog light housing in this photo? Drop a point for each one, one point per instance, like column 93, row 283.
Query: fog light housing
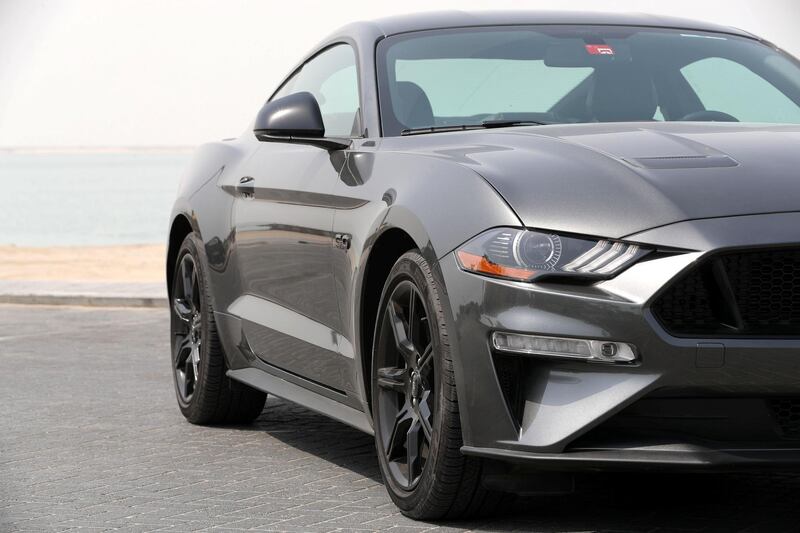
column 593, row 351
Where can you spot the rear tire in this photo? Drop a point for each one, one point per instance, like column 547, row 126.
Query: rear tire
column 415, row 408
column 206, row 395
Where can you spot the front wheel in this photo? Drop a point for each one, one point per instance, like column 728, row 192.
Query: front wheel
column 415, row 409
column 205, row 394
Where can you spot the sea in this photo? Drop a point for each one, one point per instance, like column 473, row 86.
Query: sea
column 85, row 198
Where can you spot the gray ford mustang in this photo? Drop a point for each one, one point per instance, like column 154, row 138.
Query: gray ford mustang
column 506, row 244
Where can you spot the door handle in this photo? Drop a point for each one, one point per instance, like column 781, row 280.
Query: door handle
column 246, row 187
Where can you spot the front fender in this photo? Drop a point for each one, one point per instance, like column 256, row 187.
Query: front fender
column 439, row 204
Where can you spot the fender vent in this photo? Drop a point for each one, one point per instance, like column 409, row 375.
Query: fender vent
column 511, row 374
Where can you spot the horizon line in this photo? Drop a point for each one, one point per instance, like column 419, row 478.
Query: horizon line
column 45, row 149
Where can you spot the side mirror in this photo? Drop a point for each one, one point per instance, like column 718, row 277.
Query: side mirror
column 295, row 119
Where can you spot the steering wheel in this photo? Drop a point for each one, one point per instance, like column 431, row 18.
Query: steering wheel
column 709, row 116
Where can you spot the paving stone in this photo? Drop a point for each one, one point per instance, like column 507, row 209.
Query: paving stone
column 91, row 439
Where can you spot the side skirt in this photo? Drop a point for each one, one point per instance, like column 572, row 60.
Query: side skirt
column 281, row 388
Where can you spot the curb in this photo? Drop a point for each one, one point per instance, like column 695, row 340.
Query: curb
column 86, row 300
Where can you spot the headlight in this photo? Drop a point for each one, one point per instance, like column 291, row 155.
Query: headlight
column 525, row 255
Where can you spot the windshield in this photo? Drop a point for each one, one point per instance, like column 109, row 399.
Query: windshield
column 578, row 74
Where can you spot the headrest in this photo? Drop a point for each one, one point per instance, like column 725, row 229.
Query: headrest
column 412, row 107
column 622, row 94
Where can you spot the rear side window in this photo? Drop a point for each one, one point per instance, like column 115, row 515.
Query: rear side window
column 333, row 80
column 753, row 100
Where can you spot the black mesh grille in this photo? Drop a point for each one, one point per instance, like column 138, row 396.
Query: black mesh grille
column 741, row 294
column 787, row 413
column 767, row 288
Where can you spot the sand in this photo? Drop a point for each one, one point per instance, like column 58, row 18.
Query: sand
column 126, row 264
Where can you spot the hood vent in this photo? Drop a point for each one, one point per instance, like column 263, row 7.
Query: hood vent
column 683, row 161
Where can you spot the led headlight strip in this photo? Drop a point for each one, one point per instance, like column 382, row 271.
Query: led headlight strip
column 604, row 258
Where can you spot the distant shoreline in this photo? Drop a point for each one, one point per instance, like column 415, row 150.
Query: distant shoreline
column 44, row 150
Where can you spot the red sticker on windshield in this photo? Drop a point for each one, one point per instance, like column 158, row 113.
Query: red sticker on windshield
column 600, row 49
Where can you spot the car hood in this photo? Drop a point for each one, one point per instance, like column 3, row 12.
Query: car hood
column 615, row 180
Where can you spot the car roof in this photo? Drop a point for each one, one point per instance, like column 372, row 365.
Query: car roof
column 384, row 27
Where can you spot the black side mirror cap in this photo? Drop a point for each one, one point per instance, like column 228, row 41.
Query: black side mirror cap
column 295, row 119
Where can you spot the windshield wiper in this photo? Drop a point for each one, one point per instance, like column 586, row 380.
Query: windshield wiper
column 441, row 129
column 509, row 123
column 486, row 124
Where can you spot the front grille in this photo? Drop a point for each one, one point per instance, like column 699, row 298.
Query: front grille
column 787, row 413
column 754, row 294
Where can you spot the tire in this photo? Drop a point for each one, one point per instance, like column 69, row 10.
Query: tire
column 441, row 483
column 206, row 395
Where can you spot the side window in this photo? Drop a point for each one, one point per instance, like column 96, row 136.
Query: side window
column 727, row 86
column 333, row 80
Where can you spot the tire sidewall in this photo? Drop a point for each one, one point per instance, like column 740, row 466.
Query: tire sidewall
column 408, row 268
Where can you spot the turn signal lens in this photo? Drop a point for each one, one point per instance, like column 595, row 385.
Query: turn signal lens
column 484, row 265
column 524, row 255
column 594, row 351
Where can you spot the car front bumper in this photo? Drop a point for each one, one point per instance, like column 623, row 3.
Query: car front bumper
column 687, row 403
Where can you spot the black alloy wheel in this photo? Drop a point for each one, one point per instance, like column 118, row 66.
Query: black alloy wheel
column 206, row 395
column 187, row 328
column 415, row 405
column 406, row 384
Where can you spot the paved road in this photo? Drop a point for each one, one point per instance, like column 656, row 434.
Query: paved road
column 90, row 437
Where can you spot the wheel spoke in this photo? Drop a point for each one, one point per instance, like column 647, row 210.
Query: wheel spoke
column 182, row 345
column 424, row 412
column 425, row 359
column 393, row 379
column 188, row 367
column 186, row 280
column 404, row 345
column 180, row 376
column 412, row 449
column 195, row 357
column 396, row 441
column 182, row 309
column 426, row 428
column 195, row 291
column 190, row 377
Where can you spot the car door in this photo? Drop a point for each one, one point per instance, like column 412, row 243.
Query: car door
column 283, row 219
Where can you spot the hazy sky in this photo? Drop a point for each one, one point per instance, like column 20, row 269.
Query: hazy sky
column 137, row 72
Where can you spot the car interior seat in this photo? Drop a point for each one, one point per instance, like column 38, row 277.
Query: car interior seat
column 412, row 106
column 622, row 94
